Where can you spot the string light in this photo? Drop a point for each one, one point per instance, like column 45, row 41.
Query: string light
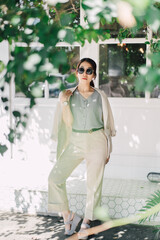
column 141, row 50
column 121, row 44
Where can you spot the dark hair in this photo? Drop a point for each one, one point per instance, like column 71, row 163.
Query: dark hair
column 93, row 64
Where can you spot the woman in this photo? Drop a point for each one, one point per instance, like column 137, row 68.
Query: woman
column 83, row 126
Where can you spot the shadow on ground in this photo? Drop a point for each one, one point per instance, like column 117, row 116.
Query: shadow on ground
column 26, row 227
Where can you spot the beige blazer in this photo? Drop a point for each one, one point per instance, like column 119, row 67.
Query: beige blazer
column 61, row 133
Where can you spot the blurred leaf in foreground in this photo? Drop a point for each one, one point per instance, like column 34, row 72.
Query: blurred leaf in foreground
column 3, row 149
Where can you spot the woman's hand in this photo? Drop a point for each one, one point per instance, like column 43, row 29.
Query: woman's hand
column 107, row 160
column 65, row 95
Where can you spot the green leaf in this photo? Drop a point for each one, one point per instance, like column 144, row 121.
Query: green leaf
column 2, row 89
column 72, row 78
column 37, row 91
column 3, row 149
column 4, row 99
column 102, row 214
column 85, row 7
column 32, row 102
column 69, row 36
column 95, row 37
column 16, row 114
column 155, row 59
column 11, row 135
column 153, row 18
column 25, row 115
column 103, row 21
column 15, row 20
column 64, row 68
column 89, row 36
column 140, row 83
column 51, row 79
column 24, row 124
column 151, row 202
column 58, row 58
column 140, row 4
column 65, row 19
column 107, row 35
column 2, row 66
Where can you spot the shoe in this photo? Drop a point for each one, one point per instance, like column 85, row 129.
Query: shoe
column 84, row 226
column 73, row 223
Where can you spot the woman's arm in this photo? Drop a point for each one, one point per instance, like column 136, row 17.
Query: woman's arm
column 66, row 111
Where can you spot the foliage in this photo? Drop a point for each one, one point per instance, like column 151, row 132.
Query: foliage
column 3, row 149
column 34, row 29
column 152, row 201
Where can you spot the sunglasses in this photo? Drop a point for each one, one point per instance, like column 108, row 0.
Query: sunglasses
column 89, row 71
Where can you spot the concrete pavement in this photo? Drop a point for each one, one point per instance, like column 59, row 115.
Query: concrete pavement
column 18, row 226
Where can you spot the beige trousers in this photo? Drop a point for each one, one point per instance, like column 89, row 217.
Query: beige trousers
column 89, row 146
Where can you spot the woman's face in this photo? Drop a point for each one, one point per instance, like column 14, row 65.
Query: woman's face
column 86, row 73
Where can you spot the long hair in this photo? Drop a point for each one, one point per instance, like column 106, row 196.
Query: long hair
column 93, row 64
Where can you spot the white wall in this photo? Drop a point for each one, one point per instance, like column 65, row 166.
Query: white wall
column 137, row 144
column 136, row 148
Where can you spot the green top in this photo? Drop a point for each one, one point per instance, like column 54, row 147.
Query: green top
column 87, row 113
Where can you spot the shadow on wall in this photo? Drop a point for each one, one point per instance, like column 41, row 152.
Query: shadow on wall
column 36, row 142
column 30, row 201
column 4, row 129
column 137, row 124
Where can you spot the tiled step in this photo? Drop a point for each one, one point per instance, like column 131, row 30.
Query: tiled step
column 121, row 197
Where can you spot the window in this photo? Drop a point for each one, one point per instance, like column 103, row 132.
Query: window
column 119, row 65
